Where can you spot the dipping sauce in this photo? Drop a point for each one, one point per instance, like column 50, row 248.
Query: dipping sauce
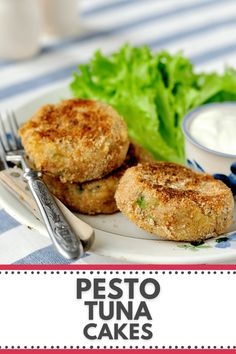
column 215, row 129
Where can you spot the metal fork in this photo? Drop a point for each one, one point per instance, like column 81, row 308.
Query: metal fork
column 62, row 236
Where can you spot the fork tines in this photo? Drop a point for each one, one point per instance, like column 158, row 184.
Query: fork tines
column 9, row 140
column 9, row 137
column 3, row 136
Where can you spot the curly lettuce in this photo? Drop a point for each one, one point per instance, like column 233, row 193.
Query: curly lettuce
column 153, row 92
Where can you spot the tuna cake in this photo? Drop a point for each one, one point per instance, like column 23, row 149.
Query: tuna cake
column 97, row 196
column 174, row 202
column 76, row 140
column 93, row 197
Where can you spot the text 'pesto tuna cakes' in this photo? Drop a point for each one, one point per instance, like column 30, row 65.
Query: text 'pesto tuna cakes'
column 76, row 140
column 174, row 202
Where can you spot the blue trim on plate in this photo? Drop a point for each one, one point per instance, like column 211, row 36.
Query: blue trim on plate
column 192, row 114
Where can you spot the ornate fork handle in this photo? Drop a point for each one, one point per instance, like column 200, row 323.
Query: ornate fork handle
column 60, row 232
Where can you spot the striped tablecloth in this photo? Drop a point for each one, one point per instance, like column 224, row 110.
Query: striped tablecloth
column 204, row 29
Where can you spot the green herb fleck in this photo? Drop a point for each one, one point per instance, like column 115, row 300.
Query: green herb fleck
column 141, row 202
column 192, row 247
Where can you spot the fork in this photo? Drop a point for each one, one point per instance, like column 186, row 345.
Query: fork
column 61, row 234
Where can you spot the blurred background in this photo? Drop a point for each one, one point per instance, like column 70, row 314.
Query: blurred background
column 42, row 41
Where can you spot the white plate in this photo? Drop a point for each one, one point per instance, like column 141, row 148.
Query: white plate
column 116, row 236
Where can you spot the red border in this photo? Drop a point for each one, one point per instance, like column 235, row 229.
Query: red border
column 118, row 267
column 120, row 351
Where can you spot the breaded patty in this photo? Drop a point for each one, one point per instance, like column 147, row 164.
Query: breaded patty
column 76, row 140
column 94, row 197
column 174, row 202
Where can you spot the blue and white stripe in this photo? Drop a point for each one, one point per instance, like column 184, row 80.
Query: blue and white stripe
column 204, row 29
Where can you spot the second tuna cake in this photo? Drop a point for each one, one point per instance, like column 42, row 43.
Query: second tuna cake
column 174, row 202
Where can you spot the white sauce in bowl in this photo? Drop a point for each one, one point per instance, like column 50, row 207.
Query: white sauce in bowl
column 215, row 129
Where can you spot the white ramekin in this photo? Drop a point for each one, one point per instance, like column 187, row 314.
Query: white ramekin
column 202, row 159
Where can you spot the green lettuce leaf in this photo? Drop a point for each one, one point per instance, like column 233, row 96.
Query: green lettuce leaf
column 152, row 92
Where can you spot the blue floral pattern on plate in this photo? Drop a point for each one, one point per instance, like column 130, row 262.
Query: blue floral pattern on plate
column 229, row 180
column 195, row 165
column 226, row 241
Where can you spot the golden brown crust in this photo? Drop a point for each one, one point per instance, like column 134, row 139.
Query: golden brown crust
column 94, row 197
column 76, row 140
column 174, row 202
